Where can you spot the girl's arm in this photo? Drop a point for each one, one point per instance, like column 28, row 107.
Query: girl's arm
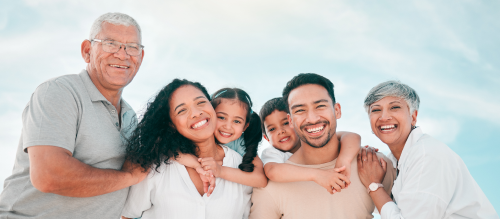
column 350, row 144
column 207, row 177
column 257, row 178
column 283, row 172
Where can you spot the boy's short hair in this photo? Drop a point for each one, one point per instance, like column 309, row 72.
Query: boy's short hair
column 307, row 78
column 269, row 107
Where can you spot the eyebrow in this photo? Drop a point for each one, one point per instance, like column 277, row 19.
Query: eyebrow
column 320, row 101
column 396, row 101
column 315, row 102
column 182, row 104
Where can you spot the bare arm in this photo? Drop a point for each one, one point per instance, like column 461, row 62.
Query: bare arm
column 283, row 172
column 257, row 178
column 54, row 170
column 350, row 144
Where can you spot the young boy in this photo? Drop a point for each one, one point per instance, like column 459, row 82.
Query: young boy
column 280, row 134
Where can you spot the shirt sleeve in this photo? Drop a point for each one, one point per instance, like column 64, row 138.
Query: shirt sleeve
column 272, row 154
column 263, row 205
column 139, row 196
column 51, row 117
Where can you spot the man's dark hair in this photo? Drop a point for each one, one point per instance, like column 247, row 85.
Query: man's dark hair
column 269, row 107
column 307, row 78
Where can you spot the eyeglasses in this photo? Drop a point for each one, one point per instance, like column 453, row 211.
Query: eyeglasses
column 111, row 46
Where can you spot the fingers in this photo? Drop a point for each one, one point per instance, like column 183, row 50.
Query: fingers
column 340, row 169
column 363, row 155
column 212, row 184
column 205, row 188
column 384, row 164
column 360, row 164
column 369, row 154
column 329, row 189
column 336, row 187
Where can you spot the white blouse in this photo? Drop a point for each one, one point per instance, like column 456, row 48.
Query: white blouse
column 433, row 182
column 171, row 194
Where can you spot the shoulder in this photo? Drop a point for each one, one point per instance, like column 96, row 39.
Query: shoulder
column 59, row 85
column 432, row 151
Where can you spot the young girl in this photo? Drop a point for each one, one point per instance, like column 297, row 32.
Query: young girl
column 235, row 118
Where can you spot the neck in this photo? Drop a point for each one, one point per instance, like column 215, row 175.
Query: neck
column 112, row 95
column 308, row 155
column 207, row 148
column 397, row 148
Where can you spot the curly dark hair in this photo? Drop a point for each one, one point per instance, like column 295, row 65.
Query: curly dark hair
column 253, row 133
column 155, row 140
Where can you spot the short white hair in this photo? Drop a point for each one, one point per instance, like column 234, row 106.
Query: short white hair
column 116, row 19
column 392, row 89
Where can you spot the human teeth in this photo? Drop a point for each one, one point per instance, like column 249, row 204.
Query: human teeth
column 314, row 130
column 226, row 134
column 384, row 127
column 284, row 139
column 118, row 66
column 197, row 125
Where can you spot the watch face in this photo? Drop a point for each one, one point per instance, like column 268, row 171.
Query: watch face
column 373, row 186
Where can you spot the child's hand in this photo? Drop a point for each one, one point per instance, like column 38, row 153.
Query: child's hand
column 346, row 171
column 209, row 163
column 331, row 180
column 208, row 179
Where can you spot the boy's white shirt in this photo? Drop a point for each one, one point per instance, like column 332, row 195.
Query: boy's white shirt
column 271, row 154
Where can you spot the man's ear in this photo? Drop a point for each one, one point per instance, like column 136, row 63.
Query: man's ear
column 338, row 112
column 86, row 47
column 265, row 137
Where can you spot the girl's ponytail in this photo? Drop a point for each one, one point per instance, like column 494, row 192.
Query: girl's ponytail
column 252, row 136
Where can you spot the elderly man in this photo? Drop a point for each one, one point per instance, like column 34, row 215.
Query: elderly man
column 313, row 115
column 74, row 128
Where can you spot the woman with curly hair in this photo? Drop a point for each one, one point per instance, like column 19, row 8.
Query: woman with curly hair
column 181, row 119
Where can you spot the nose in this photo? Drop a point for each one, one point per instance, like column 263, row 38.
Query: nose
column 196, row 113
column 386, row 115
column 121, row 54
column 281, row 131
column 312, row 117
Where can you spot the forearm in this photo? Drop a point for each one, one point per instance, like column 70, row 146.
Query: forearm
column 349, row 146
column 257, row 178
column 188, row 160
column 380, row 198
column 65, row 175
column 282, row 172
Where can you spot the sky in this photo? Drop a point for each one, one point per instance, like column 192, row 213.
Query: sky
column 448, row 51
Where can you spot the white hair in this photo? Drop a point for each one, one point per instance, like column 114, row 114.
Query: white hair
column 393, row 89
column 116, row 19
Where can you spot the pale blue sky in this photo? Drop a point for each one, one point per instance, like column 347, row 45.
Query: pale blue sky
column 448, row 51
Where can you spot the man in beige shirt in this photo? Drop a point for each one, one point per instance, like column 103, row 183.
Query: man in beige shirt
column 313, row 115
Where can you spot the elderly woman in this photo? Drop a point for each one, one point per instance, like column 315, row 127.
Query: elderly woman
column 433, row 181
column 181, row 120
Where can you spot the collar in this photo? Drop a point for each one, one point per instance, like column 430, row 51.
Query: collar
column 95, row 95
column 415, row 134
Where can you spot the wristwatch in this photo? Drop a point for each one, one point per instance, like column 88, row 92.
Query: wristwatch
column 374, row 186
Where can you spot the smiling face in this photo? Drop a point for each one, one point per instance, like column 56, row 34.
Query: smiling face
column 192, row 114
column 280, row 133
column 391, row 121
column 313, row 114
column 112, row 71
column 231, row 120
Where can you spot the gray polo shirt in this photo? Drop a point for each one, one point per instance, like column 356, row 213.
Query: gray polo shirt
column 69, row 112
